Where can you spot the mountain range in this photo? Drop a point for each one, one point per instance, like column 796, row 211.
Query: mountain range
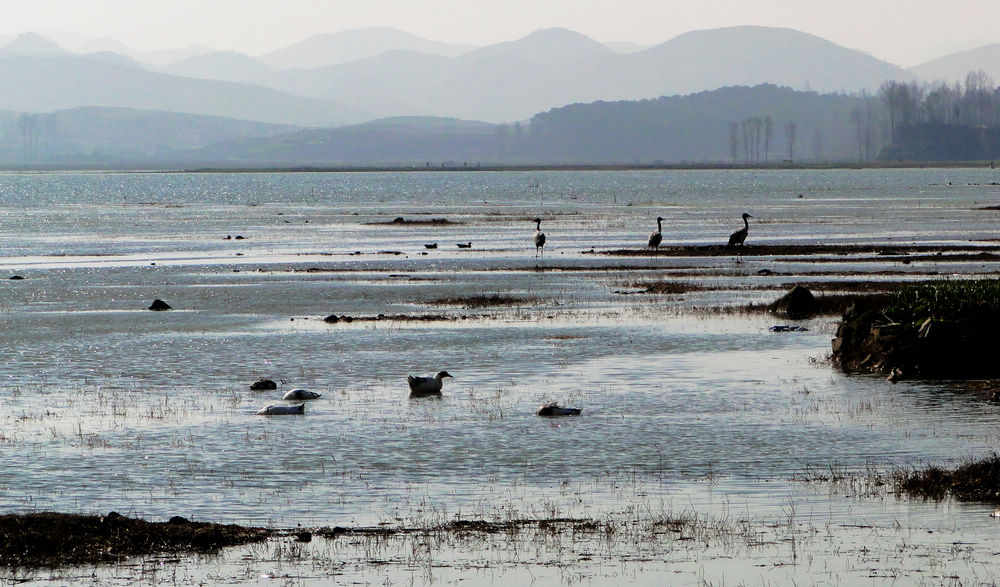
column 342, row 79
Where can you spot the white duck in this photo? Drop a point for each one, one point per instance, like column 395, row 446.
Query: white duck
column 420, row 386
column 554, row 409
column 273, row 410
column 301, row 394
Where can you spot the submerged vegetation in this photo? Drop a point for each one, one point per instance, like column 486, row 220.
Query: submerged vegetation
column 51, row 539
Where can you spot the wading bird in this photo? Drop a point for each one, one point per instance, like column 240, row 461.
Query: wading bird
column 656, row 236
column 736, row 239
column 539, row 236
column 421, row 386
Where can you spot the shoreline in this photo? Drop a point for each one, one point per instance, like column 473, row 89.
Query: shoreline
column 513, row 167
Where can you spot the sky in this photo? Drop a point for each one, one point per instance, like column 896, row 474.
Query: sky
column 903, row 32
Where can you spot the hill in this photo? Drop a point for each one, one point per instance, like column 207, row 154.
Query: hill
column 955, row 67
column 673, row 129
column 114, row 136
column 34, row 83
column 333, row 48
column 555, row 67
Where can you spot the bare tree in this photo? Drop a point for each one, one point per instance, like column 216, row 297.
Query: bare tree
column 734, row 139
column 791, row 130
column 768, row 134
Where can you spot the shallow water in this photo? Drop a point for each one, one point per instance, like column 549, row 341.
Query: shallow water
column 107, row 406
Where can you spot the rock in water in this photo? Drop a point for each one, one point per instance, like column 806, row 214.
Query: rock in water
column 159, row 306
column 797, row 304
column 263, row 385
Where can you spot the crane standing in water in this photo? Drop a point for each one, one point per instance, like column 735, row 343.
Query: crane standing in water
column 656, row 237
column 539, row 236
column 737, row 238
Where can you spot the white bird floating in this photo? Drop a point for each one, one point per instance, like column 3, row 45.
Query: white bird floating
column 300, row 394
column 554, row 409
column 273, row 410
column 421, row 386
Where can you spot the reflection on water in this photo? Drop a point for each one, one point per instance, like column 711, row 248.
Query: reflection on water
column 107, row 406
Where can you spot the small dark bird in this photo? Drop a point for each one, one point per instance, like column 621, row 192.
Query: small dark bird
column 467, row 245
column 656, row 237
column 431, row 246
column 740, row 235
column 539, row 236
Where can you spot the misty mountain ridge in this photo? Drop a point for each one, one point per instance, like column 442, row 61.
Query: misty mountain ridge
column 955, row 67
column 554, row 67
column 227, row 66
column 45, row 84
column 333, row 48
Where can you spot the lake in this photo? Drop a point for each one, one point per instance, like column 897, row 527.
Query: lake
column 689, row 405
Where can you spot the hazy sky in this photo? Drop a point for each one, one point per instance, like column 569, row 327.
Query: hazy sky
column 905, row 32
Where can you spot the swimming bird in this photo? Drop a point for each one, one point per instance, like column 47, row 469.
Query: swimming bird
column 539, row 236
column 467, row 245
column 656, row 236
column 554, row 409
column 273, row 410
column 421, row 386
column 431, row 246
column 740, row 235
column 301, row 394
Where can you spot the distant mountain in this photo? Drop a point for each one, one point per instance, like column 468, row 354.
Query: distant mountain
column 955, row 67
column 45, row 84
column 750, row 55
column 333, row 48
column 228, row 66
column 549, row 47
column 556, row 67
column 626, row 47
column 673, row 129
column 31, row 44
column 403, row 140
column 115, row 135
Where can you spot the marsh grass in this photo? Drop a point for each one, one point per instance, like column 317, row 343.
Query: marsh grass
column 485, row 301
column 974, row 480
column 953, row 298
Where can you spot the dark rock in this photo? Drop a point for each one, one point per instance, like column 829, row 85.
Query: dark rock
column 263, row 385
column 331, row 319
column 399, row 220
column 178, row 520
column 303, row 536
column 159, row 306
column 16, row 277
column 797, row 304
column 956, row 347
